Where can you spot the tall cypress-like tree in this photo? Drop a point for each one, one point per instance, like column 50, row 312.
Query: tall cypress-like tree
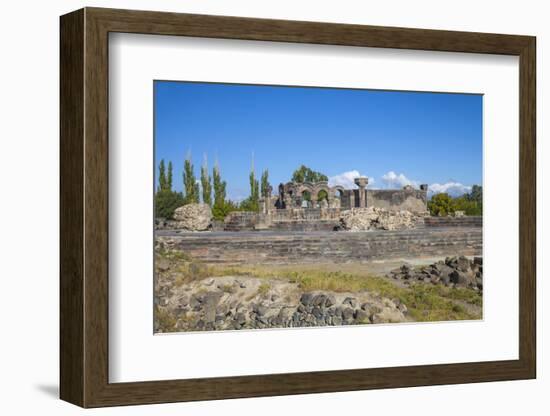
column 166, row 200
column 162, row 176
column 190, row 182
column 220, row 208
column 206, row 183
column 254, row 199
column 265, row 183
column 169, row 177
column 252, row 203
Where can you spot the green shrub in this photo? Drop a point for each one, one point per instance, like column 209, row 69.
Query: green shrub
column 441, row 205
column 166, row 202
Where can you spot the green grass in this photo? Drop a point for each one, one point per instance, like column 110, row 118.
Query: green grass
column 462, row 294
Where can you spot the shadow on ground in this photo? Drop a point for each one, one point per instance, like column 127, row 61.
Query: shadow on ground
column 51, row 390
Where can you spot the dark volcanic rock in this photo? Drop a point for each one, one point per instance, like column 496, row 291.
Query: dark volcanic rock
column 307, row 298
column 458, row 270
column 350, row 301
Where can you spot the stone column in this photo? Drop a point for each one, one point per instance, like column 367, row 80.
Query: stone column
column 268, row 200
column 362, row 182
column 313, row 200
column 424, row 189
column 289, row 201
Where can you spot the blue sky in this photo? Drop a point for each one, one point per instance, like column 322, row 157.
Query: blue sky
column 394, row 138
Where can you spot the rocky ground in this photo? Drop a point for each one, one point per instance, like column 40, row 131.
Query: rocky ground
column 193, row 296
column 232, row 302
column 453, row 271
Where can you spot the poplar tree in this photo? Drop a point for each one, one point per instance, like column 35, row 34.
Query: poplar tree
column 162, row 176
column 265, row 183
column 190, row 182
column 254, row 188
column 169, row 178
column 206, row 183
column 166, row 200
column 254, row 199
column 219, row 209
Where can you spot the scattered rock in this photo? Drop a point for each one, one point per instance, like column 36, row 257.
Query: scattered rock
column 347, row 314
column 350, row 301
column 306, row 299
column 459, row 271
column 361, row 316
column 330, row 301
column 162, row 265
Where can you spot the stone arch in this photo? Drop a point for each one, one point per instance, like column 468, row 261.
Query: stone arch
column 300, row 188
column 337, row 192
column 306, row 198
column 322, row 193
column 335, row 196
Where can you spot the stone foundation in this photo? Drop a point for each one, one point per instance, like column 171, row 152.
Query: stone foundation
column 453, row 222
column 285, row 247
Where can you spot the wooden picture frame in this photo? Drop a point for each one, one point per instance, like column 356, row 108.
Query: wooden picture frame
column 84, row 207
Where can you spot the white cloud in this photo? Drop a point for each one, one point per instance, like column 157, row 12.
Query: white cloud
column 394, row 180
column 346, row 179
column 237, row 194
column 452, row 188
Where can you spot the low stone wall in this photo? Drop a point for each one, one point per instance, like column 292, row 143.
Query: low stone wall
column 313, row 219
column 319, row 225
column 413, row 200
column 270, row 247
column 453, row 222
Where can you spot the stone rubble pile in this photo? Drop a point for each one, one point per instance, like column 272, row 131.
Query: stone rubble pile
column 454, row 271
column 231, row 303
column 372, row 218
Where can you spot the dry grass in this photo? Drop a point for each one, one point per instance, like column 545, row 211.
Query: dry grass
column 264, row 289
column 425, row 302
column 166, row 321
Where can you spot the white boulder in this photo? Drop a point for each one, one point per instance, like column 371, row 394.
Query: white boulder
column 193, row 217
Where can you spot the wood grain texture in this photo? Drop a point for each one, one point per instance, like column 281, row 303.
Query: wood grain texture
column 527, row 208
column 71, row 100
column 84, row 207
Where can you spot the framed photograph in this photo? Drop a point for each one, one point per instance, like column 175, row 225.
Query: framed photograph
column 255, row 207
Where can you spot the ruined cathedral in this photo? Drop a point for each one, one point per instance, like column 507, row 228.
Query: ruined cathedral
column 316, row 206
column 313, row 195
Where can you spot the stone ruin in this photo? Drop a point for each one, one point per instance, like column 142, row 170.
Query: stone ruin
column 316, row 206
column 295, row 195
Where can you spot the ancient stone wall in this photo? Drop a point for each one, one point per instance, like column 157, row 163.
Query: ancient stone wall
column 453, row 222
column 296, row 219
column 413, row 200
